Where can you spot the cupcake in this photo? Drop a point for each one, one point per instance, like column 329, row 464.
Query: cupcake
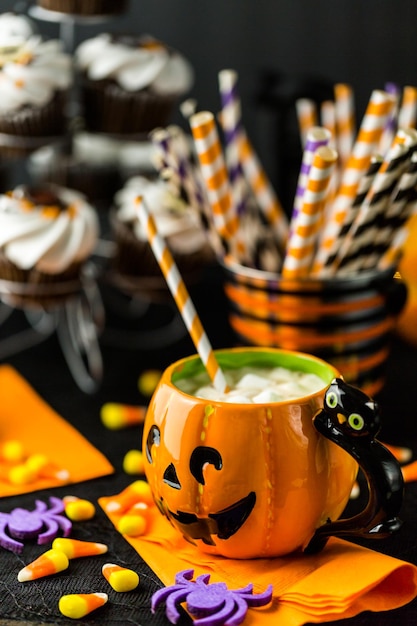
column 85, row 7
column 129, row 85
column 46, row 235
column 86, row 162
column 35, row 76
column 134, row 261
column 15, row 27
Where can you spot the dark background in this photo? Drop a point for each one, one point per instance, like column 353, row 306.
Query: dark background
column 280, row 49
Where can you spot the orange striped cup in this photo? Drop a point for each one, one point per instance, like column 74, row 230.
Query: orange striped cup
column 345, row 321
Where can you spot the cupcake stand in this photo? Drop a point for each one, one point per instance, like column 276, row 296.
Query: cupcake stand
column 104, row 308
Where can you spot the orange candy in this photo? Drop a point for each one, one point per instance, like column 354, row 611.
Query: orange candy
column 75, row 548
column 47, row 564
column 78, row 509
column 78, row 605
column 138, row 491
column 116, row 416
column 120, row 578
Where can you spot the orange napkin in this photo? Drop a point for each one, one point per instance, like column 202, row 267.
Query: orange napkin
column 341, row 581
column 27, row 418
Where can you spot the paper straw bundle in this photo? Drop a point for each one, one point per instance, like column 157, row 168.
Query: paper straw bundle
column 354, row 193
column 235, row 215
column 376, row 192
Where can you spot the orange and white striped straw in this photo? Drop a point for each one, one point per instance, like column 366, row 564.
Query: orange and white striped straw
column 263, row 190
column 373, row 123
column 306, row 111
column 345, row 121
column 328, row 120
column 214, row 172
column 407, row 115
column 303, row 239
column 181, row 296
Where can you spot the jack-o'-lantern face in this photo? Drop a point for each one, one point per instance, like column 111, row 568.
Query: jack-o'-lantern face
column 222, row 523
column 243, row 480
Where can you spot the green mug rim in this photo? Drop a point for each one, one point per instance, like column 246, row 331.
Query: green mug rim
column 234, row 358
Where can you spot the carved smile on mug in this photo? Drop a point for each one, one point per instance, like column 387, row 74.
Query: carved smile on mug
column 223, row 524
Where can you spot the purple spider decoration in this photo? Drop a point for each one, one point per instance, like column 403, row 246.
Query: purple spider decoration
column 214, row 604
column 22, row 524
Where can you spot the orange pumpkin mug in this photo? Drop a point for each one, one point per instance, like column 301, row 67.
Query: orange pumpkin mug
column 249, row 480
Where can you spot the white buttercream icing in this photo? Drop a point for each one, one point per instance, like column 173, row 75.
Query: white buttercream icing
column 173, row 217
column 145, row 64
column 47, row 236
column 15, row 28
column 31, row 72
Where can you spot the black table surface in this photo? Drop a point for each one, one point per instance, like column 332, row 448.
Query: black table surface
column 44, row 367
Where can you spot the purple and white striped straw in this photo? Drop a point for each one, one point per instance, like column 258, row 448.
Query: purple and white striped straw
column 231, row 121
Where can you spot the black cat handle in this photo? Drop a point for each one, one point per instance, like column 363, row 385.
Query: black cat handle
column 351, row 420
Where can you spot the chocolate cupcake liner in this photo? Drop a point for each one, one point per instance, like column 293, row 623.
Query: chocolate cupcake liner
column 21, row 288
column 31, row 121
column 85, row 7
column 110, row 109
column 135, row 264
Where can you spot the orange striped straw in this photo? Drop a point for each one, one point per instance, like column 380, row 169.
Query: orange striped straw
column 214, row 172
column 306, row 111
column 393, row 254
column 302, row 242
column 263, row 190
column 345, row 121
column 379, row 107
column 181, row 296
column 328, row 120
column 407, row 115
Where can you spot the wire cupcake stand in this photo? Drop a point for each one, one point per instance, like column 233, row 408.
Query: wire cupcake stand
column 73, row 310
column 102, row 308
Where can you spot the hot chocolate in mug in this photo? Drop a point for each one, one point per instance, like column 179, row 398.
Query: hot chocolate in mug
column 247, row 479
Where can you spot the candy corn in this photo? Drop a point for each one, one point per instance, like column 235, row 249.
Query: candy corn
column 74, row 548
column 77, row 605
column 120, row 578
column 133, row 462
column 132, row 525
column 148, row 381
column 44, row 468
column 12, row 451
column 117, row 416
column 47, row 564
column 138, row 491
column 78, row 509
